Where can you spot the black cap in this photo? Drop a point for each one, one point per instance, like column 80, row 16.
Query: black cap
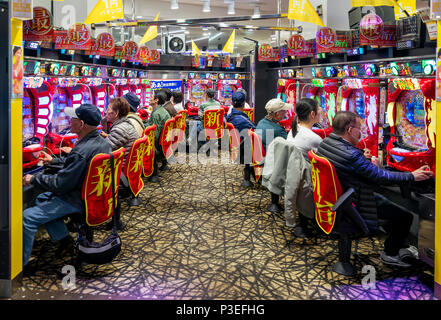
column 89, row 113
column 133, row 100
column 238, row 97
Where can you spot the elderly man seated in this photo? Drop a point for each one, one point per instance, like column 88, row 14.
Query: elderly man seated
column 63, row 189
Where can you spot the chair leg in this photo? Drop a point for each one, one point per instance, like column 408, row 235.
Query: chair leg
column 343, row 266
column 135, row 201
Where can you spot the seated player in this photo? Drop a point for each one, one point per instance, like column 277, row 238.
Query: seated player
column 63, row 189
column 133, row 117
column 123, row 132
column 269, row 127
column 247, row 106
column 242, row 124
column 159, row 117
column 177, row 100
column 354, row 170
column 168, row 105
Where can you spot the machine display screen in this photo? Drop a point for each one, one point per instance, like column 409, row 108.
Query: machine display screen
column 225, row 94
column 87, row 97
column 357, row 105
column 197, row 91
column 321, row 100
column 410, row 119
column 28, row 117
column 59, row 120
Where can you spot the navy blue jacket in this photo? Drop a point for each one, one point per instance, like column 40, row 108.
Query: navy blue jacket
column 355, row 171
column 68, row 182
column 240, row 121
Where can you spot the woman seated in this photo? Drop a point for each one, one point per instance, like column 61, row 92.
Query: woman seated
column 301, row 134
column 122, row 132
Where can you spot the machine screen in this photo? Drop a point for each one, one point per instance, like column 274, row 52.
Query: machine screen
column 60, row 121
column 87, row 97
column 411, row 117
column 321, row 100
column 28, row 117
column 357, row 105
column 226, row 93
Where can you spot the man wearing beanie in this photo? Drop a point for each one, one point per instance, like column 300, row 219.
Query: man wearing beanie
column 133, row 117
column 63, row 189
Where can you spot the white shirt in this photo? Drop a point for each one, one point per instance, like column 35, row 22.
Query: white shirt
column 247, row 106
column 179, row 107
column 305, row 140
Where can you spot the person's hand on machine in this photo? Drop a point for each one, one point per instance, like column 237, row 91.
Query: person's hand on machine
column 66, row 149
column 27, row 180
column 46, row 159
column 422, row 173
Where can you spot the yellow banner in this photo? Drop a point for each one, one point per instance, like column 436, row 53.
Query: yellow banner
column 373, row 3
column 408, row 5
column 195, row 50
column 151, row 33
column 106, row 10
column 229, row 46
column 302, row 10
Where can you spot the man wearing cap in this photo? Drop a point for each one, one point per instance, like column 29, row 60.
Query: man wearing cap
column 63, row 189
column 242, row 124
column 269, row 127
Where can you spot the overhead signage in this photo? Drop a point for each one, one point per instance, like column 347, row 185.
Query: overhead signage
column 295, row 43
column 374, row 33
column 104, row 45
column 329, row 41
column 40, row 28
column 407, row 84
column 22, row 9
column 170, row 84
column 267, row 53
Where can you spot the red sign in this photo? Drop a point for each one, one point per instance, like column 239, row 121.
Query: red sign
column 40, row 28
column 119, row 52
column 104, row 45
column 306, row 51
column 144, row 55
column 325, row 39
column 61, row 39
column 130, row 51
column 267, row 53
column 155, row 57
column 79, row 37
column 295, row 43
column 374, row 33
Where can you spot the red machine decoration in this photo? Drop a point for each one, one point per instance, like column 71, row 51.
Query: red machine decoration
column 196, row 89
column 307, row 50
column 363, row 98
column 214, row 123
column 40, row 28
column 327, row 190
column 97, row 187
column 411, row 115
column 136, row 88
column 374, row 33
column 99, row 93
column 268, row 53
column 225, row 90
column 286, row 91
column 122, row 87
column 144, row 55
column 76, row 38
column 166, row 138
column 257, row 154
column 149, row 156
column 134, row 165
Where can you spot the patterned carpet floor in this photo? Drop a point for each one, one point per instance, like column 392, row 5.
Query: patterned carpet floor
column 199, row 235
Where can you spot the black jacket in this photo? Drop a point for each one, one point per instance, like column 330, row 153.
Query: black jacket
column 68, row 182
column 355, row 171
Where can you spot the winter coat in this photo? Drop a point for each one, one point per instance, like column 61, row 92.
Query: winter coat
column 286, row 172
column 354, row 170
column 122, row 134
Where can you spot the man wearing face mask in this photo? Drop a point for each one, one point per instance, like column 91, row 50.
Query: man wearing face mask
column 63, row 189
column 354, row 170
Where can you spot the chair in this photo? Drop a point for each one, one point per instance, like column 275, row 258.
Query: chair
column 250, row 113
column 214, row 123
column 100, row 198
column 335, row 208
column 182, row 126
column 149, row 155
column 234, row 140
column 133, row 169
column 177, row 131
column 257, row 154
column 166, row 138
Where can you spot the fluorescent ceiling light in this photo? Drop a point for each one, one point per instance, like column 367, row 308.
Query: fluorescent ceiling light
column 215, row 36
column 206, row 7
column 180, row 20
column 174, row 5
column 195, row 40
column 231, row 8
column 256, row 13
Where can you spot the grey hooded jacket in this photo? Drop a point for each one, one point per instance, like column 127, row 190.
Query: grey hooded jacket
column 286, row 172
column 122, row 134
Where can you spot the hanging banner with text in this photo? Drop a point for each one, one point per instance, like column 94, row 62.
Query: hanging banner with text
column 329, row 41
column 267, row 53
column 376, row 34
column 104, row 45
column 40, row 28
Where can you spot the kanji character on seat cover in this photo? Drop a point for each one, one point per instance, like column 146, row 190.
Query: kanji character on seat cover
column 149, row 155
column 257, row 155
column 166, row 138
column 335, row 208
